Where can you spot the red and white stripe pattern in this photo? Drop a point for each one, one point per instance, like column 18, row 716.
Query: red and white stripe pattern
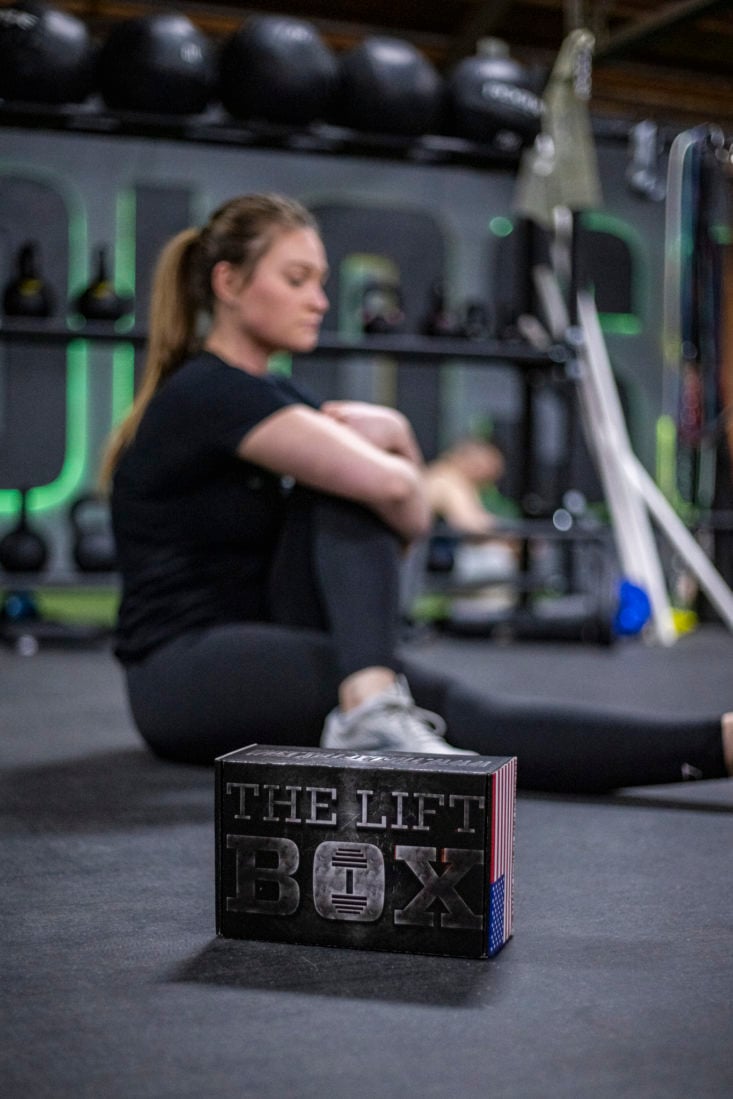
column 503, row 813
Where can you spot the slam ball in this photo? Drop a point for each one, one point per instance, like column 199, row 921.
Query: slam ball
column 491, row 92
column 157, row 63
column 278, row 69
column 388, row 86
column 47, row 55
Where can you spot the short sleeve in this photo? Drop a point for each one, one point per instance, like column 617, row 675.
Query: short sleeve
column 222, row 403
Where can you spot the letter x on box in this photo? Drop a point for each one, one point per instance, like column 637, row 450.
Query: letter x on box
column 381, row 851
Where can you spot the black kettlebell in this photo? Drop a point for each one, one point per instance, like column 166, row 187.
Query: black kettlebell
column 93, row 547
column 100, row 301
column 476, row 325
column 381, row 307
column 440, row 319
column 23, row 549
column 28, row 294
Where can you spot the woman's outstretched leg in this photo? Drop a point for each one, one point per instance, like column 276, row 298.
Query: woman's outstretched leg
column 574, row 749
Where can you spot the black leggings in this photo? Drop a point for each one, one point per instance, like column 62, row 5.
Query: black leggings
column 334, row 600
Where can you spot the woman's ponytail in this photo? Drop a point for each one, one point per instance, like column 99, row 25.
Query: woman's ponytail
column 174, row 311
column 239, row 233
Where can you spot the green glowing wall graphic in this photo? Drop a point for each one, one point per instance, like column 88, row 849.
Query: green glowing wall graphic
column 133, row 194
column 35, row 204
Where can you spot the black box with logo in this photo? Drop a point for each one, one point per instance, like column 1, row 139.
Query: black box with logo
column 376, row 850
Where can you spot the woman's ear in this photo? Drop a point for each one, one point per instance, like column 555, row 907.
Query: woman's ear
column 225, row 281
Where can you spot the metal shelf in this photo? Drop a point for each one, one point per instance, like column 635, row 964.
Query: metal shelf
column 433, row 349
column 405, row 346
column 54, row 330
column 216, row 127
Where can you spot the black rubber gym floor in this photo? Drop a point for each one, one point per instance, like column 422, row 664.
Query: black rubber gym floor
column 618, row 982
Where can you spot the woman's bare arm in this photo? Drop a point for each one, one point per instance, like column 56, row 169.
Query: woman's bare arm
column 323, row 453
column 385, row 427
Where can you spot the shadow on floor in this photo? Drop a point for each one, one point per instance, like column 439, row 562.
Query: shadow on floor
column 106, row 792
column 348, row 974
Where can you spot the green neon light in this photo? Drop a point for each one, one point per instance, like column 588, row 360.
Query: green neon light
column 622, row 324
column 666, row 469
column 600, row 222
column 123, row 356
column 124, row 269
column 58, row 492
column 666, row 460
column 123, row 380
column 501, row 226
column 71, row 476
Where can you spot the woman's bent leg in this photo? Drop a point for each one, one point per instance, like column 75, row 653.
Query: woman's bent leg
column 216, row 690
column 338, row 569
column 333, row 610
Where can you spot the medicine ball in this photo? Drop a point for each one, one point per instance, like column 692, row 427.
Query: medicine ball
column 47, row 55
column 388, row 86
column 490, row 92
column 157, row 63
column 278, row 69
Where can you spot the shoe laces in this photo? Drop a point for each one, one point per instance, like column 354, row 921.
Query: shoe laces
column 424, row 726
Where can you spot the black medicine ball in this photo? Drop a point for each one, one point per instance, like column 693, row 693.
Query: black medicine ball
column 46, row 56
column 278, row 69
column 157, row 63
column 388, row 86
column 491, row 92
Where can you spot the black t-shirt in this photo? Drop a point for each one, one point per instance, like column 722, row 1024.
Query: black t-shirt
column 195, row 526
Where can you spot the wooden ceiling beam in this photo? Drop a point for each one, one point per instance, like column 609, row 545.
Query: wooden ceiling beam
column 636, row 92
column 648, row 26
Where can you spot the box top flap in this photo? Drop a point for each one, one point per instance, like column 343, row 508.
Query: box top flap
column 389, row 761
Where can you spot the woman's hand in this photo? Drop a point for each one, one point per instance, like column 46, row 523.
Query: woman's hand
column 384, row 427
column 325, row 453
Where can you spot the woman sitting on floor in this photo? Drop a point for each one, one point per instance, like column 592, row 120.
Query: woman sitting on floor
column 260, row 534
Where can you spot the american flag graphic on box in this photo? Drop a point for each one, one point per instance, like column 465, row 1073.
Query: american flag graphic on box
column 501, row 870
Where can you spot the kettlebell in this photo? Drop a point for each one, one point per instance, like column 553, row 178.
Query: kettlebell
column 381, row 307
column 93, row 547
column 440, row 319
column 28, row 294
column 22, row 549
column 476, row 325
column 100, row 301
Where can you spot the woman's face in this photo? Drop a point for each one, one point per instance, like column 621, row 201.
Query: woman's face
column 282, row 305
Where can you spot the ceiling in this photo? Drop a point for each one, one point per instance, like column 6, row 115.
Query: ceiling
column 667, row 60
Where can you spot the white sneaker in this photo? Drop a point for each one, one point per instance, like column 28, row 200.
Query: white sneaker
column 392, row 721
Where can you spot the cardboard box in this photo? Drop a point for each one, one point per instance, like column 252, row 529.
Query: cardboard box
column 381, row 851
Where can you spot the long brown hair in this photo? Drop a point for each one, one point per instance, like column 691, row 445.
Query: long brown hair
column 239, row 232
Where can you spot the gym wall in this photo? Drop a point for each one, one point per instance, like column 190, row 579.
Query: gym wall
column 73, row 192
